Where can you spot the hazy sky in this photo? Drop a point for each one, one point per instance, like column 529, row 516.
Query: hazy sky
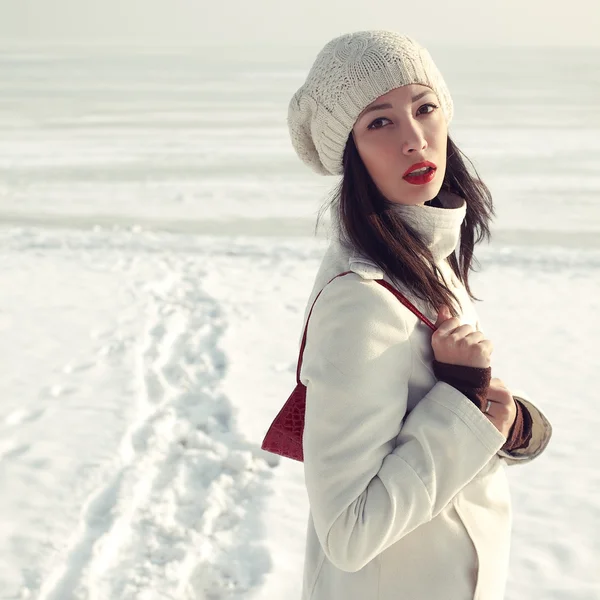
column 303, row 23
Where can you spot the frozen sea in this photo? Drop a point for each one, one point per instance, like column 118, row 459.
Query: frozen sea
column 157, row 248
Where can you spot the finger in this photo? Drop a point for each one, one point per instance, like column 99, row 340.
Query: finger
column 489, row 412
column 462, row 331
column 500, row 395
column 443, row 315
column 488, row 345
column 476, row 336
column 448, row 326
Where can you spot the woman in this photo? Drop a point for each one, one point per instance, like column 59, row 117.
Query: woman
column 406, row 434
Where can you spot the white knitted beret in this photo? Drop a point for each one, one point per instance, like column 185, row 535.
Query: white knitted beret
column 349, row 73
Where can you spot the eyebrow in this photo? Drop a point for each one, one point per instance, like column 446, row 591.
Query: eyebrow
column 388, row 105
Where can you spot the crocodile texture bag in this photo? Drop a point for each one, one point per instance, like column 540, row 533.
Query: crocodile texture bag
column 284, row 436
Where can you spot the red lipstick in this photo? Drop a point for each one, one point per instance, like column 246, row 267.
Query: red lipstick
column 421, row 178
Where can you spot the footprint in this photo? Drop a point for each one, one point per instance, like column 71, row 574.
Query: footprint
column 84, row 366
column 60, row 390
column 15, row 452
column 23, row 415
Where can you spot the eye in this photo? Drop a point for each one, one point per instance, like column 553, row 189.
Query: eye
column 433, row 107
column 375, row 121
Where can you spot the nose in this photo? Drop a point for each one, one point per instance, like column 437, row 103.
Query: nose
column 414, row 139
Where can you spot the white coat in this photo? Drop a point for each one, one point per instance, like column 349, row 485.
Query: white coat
column 406, row 481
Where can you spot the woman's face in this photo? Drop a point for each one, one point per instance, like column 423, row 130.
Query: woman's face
column 411, row 129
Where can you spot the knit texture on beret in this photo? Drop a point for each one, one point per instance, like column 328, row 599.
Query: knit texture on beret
column 349, row 73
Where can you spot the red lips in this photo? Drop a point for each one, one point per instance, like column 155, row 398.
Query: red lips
column 419, row 165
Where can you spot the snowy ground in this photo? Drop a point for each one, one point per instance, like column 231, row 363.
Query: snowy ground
column 141, row 371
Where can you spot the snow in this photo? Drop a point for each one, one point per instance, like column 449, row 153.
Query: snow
column 142, row 370
column 156, row 255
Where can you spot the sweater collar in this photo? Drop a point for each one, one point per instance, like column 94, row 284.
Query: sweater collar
column 439, row 228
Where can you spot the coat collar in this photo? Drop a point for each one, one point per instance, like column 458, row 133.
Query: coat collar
column 439, row 228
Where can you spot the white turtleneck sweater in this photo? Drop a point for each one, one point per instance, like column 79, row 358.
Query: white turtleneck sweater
column 439, row 228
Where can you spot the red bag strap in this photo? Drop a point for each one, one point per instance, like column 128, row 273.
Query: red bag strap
column 382, row 282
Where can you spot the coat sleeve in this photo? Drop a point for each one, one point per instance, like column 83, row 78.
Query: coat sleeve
column 541, row 432
column 373, row 473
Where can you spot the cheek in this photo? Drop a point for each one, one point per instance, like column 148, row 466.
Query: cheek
column 381, row 156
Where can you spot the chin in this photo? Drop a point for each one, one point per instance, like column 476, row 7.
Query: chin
column 416, row 194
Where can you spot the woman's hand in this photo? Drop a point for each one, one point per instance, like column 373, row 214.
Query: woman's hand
column 503, row 410
column 458, row 344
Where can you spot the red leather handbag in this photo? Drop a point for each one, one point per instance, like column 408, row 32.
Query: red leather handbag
column 284, row 436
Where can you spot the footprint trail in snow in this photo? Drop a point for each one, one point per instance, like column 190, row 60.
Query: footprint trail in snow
column 180, row 516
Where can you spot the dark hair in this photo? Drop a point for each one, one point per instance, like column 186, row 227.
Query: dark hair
column 393, row 244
